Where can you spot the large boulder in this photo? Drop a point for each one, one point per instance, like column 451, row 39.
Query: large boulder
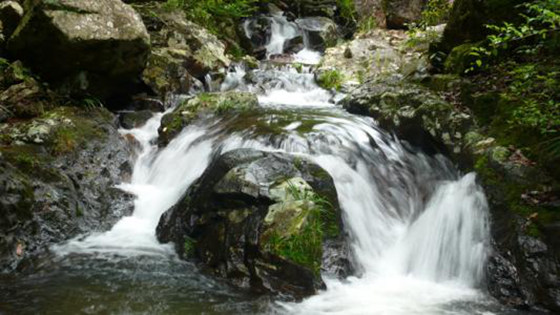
column 399, row 13
column 182, row 51
column 189, row 110
column 261, row 220
column 415, row 113
column 58, row 176
column 96, row 47
column 320, row 32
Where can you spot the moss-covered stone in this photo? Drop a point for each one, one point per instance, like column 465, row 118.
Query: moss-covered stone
column 225, row 103
column 261, row 222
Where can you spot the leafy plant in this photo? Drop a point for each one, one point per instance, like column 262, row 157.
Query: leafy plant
column 540, row 21
column 331, row 79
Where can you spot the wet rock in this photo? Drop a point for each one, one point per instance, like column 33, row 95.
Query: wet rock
column 256, row 34
column 261, row 220
column 59, row 173
column 294, row 45
column 524, row 268
column 321, row 32
column 97, row 47
column 226, row 103
column 415, row 113
column 130, row 120
column 399, row 13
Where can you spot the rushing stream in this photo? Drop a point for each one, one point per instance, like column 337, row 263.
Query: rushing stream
column 417, row 228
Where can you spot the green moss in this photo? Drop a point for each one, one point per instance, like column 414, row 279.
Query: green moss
column 512, row 193
column 331, row 79
column 189, row 247
column 303, row 244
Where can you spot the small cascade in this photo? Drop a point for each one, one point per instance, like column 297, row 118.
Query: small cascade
column 281, row 31
column 418, row 230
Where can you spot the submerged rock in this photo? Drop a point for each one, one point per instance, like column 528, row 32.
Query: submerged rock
column 98, row 47
column 261, row 220
column 230, row 102
column 58, row 176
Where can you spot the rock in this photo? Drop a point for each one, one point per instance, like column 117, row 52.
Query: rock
column 524, row 270
column 256, row 34
column 182, row 51
column 58, row 176
column 261, row 220
column 320, row 32
column 366, row 9
column 306, row 8
column 230, row 102
column 26, row 99
column 84, row 46
column 130, row 120
column 11, row 14
column 399, row 13
column 414, row 113
column 294, row 45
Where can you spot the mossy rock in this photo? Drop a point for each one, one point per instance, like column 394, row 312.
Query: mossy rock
column 223, row 103
column 262, row 220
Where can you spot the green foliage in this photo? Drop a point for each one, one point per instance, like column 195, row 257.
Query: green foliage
column 209, row 13
column 539, row 30
column 306, row 247
column 331, row 79
column 367, row 24
column 189, row 247
column 435, row 12
column 346, row 9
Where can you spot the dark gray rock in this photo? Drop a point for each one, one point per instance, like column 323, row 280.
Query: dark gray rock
column 238, row 218
column 58, row 181
column 320, row 32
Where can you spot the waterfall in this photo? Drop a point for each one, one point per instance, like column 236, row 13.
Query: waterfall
column 418, row 230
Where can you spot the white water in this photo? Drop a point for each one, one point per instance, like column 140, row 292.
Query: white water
column 412, row 255
column 283, row 30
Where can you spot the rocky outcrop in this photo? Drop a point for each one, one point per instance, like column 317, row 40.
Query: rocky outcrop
column 204, row 104
column 261, row 220
column 524, row 266
column 182, row 52
column 58, row 176
column 95, row 47
column 415, row 113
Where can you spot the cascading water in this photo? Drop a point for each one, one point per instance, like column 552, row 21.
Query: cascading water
column 418, row 230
